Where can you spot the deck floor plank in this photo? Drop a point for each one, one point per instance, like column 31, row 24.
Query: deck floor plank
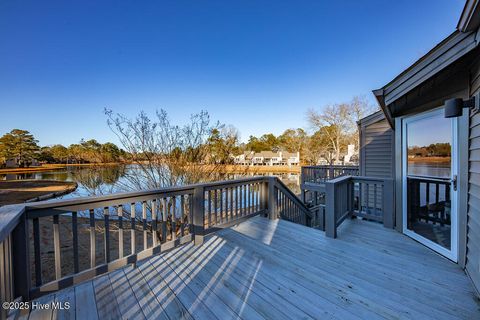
column 360, row 260
column 164, row 295
column 244, row 297
column 264, row 269
column 41, row 313
column 185, row 259
column 86, row 306
column 67, row 299
column 144, row 295
column 107, row 306
column 378, row 285
column 196, row 307
column 124, row 295
column 294, row 295
column 191, row 279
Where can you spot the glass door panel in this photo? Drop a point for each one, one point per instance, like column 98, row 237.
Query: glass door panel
column 428, row 147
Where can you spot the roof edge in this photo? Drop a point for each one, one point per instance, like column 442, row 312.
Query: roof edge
column 379, row 95
column 470, row 17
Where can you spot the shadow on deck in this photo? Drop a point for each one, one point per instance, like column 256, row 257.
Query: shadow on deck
column 264, row 269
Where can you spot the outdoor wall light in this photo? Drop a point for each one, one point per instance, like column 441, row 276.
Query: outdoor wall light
column 454, row 107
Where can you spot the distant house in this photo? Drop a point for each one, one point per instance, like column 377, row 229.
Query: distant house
column 268, row 158
column 16, row 162
column 350, row 156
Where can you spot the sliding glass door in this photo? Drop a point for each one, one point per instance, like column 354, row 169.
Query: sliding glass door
column 429, row 181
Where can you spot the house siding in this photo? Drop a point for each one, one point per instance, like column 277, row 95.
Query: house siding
column 473, row 221
column 377, row 149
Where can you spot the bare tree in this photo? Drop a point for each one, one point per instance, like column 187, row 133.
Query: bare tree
column 164, row 154
column 341, row 121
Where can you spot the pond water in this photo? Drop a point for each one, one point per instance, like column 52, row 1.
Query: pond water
column 437, row 170
column 100, row 180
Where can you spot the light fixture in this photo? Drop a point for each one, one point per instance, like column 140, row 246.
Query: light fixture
column 454, row 107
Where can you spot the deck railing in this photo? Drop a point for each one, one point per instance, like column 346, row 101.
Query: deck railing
column 366, row 197
column 313, row 180
column 318, row 174
column 51, row 245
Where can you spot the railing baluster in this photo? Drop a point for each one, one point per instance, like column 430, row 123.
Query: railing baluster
column 428, row 193
column 231, row 204
column 164, row 219
column 154, row 222
column 56, row 248
column 190, row 213
column 92, row 239
column 133, row 240
column 174, row 219
column 36, row 245
column 106, row 215
column 120, row 230
column 144, row 221
column 375, row 198
column 209, row 215
column 226, row 204
column 182, row 215
column 221, row 206
column 75, row 242
column 215, row 206
column 244, row 204
column 238, row 200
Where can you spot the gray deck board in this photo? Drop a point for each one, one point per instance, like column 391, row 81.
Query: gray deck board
column 165, row 296
column 263, row 269
column 370, row 284
column 107, row 306
column 124, row 295
column 65, row 297
column 85, row 303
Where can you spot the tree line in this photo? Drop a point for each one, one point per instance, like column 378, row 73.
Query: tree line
column 332, row 129
column 158, row 142
column 22, row 146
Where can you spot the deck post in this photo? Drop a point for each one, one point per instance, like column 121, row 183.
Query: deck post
column 264, row 196
column 198, row 214
column 388, row 205
column 330, row 223
column 272, row 204
column 302, row 181
column 21, row 259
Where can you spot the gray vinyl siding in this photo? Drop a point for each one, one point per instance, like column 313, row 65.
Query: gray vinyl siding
column 377, row 147
column 473, row 222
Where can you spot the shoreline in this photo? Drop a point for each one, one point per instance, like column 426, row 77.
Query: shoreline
column 22, row 191
column 227, row 168
column 53, row 167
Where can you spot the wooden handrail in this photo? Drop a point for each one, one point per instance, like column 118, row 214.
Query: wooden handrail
column 120, row 229
column 290, row 207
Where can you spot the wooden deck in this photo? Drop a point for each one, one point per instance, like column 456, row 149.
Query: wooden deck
column 263, row 269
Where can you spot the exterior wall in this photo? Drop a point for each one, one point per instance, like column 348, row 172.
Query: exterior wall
column 376, row 147
column 473, row 222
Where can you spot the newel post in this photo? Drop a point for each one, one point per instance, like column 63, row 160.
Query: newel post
column 272, row 204
column 21, row 259
column 330, row 223
column 198, row 214
column 388, row 205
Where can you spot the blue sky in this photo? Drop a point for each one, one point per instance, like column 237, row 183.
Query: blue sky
column 258, row 65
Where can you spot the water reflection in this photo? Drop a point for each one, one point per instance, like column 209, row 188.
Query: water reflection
column 100, row 180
